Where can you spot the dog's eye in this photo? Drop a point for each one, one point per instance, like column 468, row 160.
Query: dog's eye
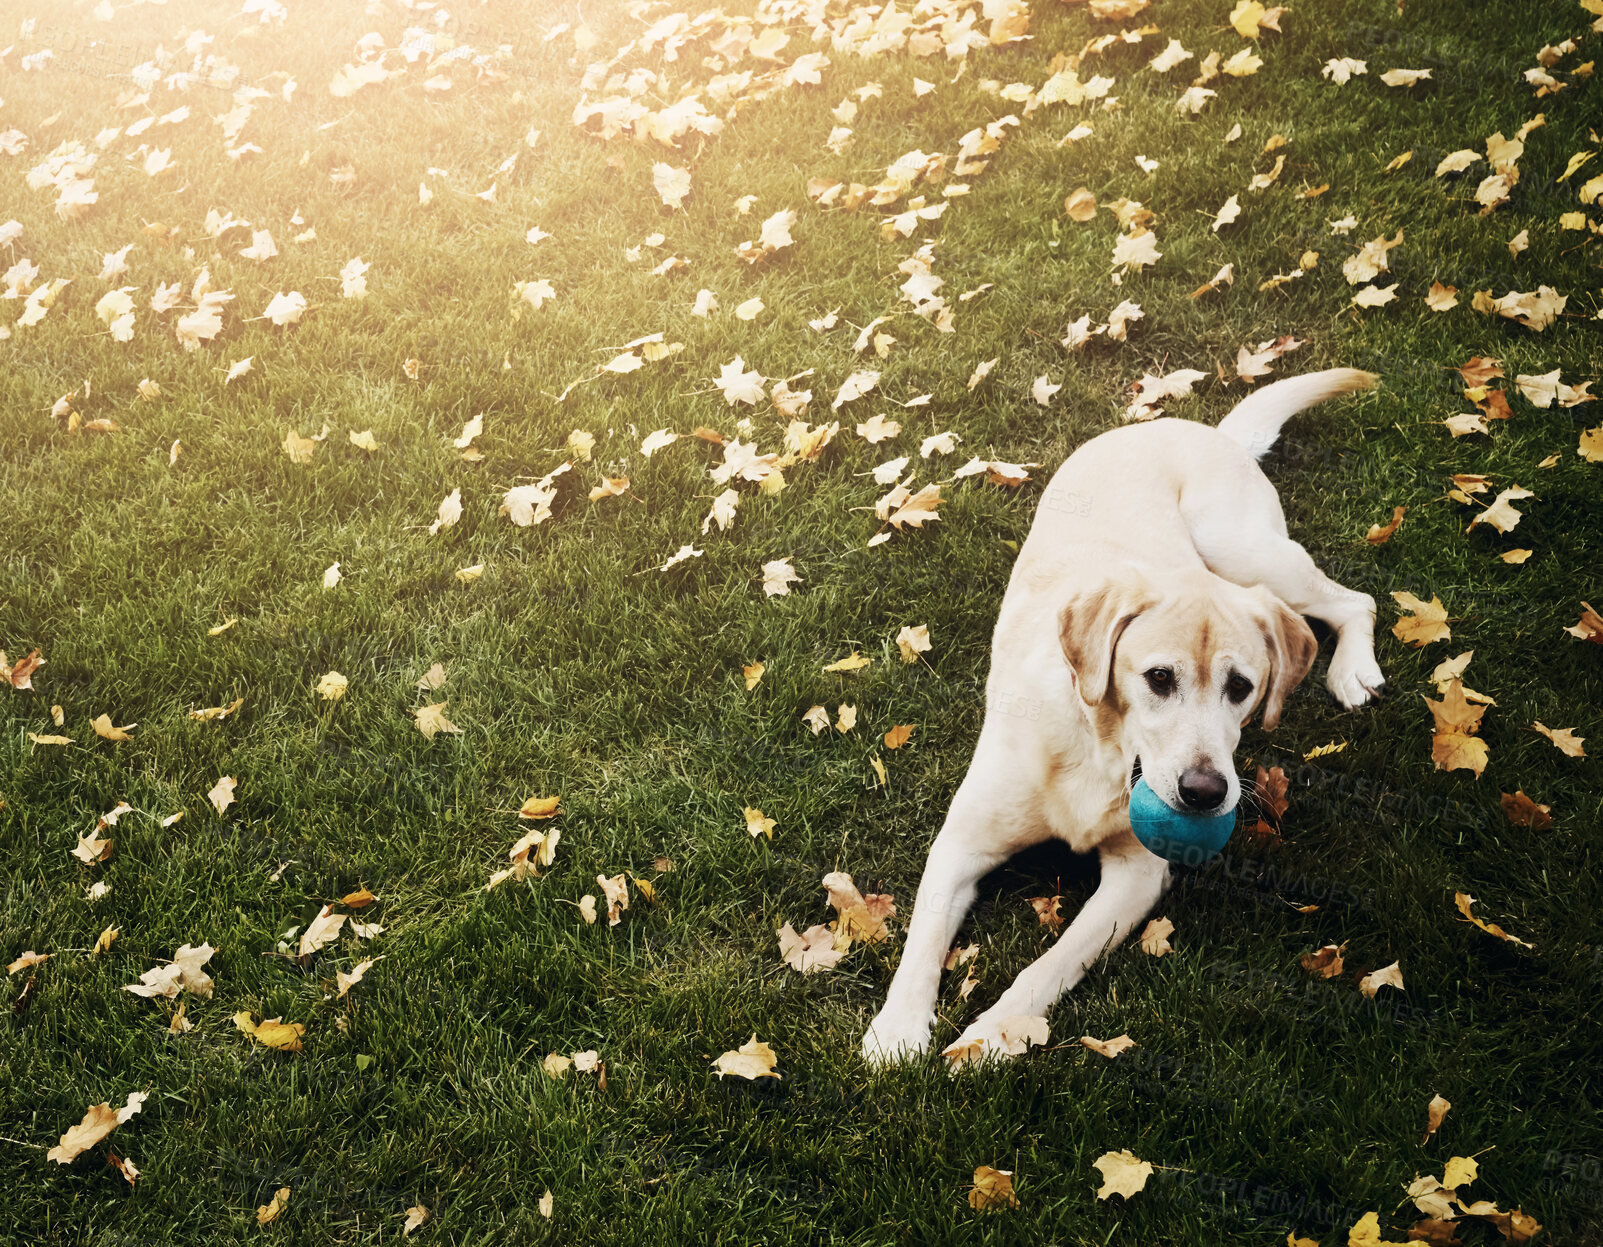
column 1161, row 681
column 1238, row 687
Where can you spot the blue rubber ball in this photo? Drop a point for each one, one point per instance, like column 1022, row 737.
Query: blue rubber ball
column 1184, row 839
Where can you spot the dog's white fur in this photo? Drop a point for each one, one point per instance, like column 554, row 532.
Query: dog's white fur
column 1156, row 545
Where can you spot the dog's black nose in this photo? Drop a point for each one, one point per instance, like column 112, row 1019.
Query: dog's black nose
column 1202, row 789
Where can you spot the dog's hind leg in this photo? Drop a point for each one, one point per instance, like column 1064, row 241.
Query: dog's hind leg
column 1249, row 548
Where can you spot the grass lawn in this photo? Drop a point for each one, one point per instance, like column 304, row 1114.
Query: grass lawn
column 1269, row 1100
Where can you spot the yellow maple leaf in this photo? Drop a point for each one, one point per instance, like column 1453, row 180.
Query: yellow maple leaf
column 1425, row 622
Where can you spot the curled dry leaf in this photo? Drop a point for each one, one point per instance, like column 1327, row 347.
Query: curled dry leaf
column 1435, row 1111
column 993, row 1188
column 1325, row 962
column 1464, row 900
column 1109, row 1048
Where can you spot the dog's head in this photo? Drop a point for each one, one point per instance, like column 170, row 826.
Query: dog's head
column 1172, row 671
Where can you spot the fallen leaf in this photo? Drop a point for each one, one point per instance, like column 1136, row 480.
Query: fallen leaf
column 1435, row 1111
column 1325, row 962
column 272, row 1032
column 269, row 1212
column 1424, row 622
column 1386, row 976
column 753, row 1059
column 1108, row 1047
column 1464, row 900
column 221, row 794
column 97, row 1123
column 1123, row 1173
column 104, row 729
column 1379, row 535
column 811, row 951
column 1155, row 937
column 1564, row 739
column 993, row 1188
column 431, row 720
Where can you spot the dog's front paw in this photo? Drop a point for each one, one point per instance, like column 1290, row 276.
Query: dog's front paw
column 993, row 1038
column 1355, row 679
column 894, row 1038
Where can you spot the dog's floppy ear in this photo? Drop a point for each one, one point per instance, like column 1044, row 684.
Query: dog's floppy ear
column 1089, row 628
column 1292, row 648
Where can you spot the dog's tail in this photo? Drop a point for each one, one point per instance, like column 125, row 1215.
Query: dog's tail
column 1256, row 422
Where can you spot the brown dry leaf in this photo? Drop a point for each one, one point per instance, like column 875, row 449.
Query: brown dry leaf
column 1516, row 556
column 359, row 899
column 1109, row 1048
column 1564, row 738
column 1123, row 1173
column 1591, row 445
column 1379, row 535
column 753, row 1059
column 862, row 918
column 1080, row 205
column 1386, row 976
column 1480, row 369
column 540, row 807
column 1454, row 747
column 345, row 981
column 993, row 1188
column 416, row 1215
column 97, row 1123
column 29, row 958
column 1464, row 900
column 899, row 735
column 1048, row 912
column 1435, row 1111
column 123, row 1165
column 1325, row 962
column 269, row 1212
column 1155, row 937
column 1424, row 623
column 1589, row 627
column 20, row 675
column 1269, row 791
column 1521, row 811
column 811, row 951
column 853, row 662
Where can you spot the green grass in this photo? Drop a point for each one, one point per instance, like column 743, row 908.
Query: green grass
column 1272, row 1102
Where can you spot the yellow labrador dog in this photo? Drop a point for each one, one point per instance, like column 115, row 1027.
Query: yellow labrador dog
column 1156, row 604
